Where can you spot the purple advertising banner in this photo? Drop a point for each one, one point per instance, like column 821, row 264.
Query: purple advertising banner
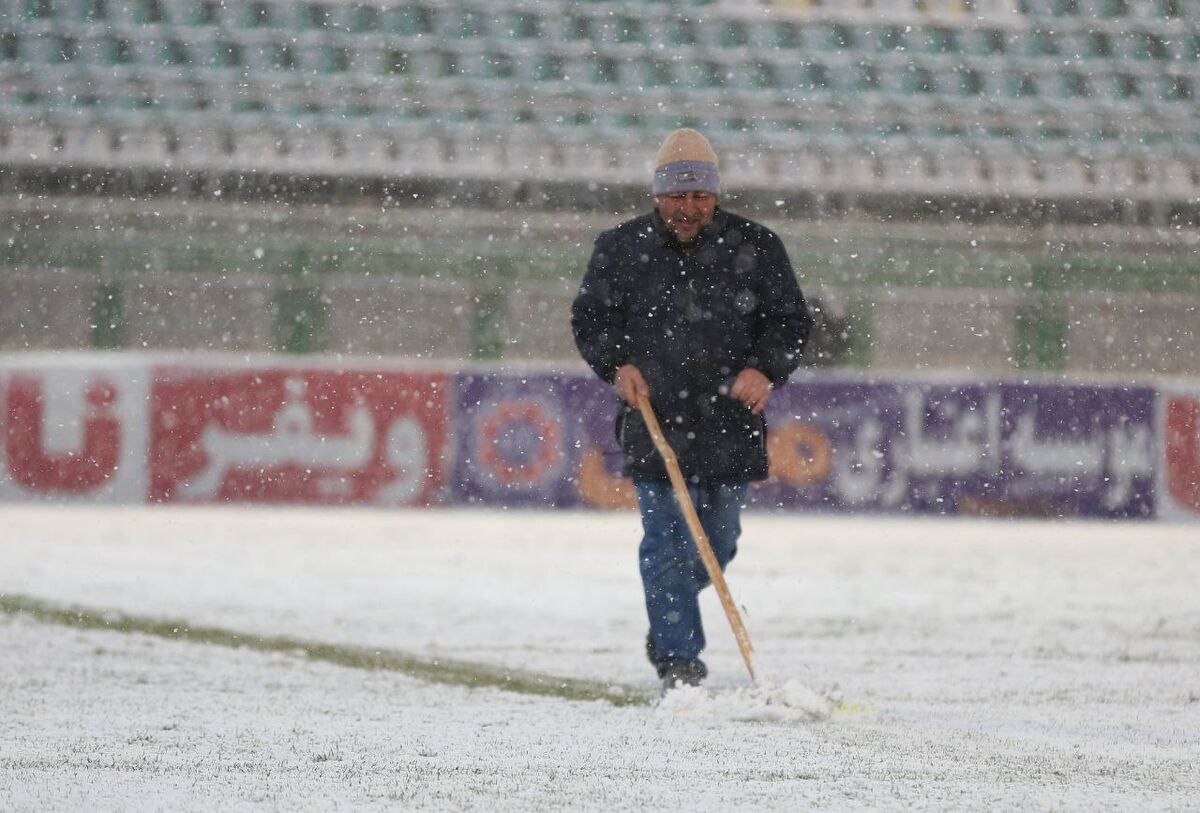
column 835, row 445
column 537, row 440
column 990, row 448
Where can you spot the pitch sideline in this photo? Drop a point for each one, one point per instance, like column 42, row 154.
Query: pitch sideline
column 432, row 670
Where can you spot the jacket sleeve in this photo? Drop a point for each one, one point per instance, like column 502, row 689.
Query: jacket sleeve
column 598, row 315
column 785, row 320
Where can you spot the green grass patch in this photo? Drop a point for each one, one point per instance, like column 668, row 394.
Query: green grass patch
column 431, row 670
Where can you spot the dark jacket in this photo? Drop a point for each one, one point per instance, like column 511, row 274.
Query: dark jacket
column 690, row 323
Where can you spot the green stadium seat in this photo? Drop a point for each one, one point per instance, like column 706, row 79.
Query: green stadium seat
column 199, row 97
column 409, row 20
column 10, row 46
column 469, row 25
column 624, row 30
column 1111, row 9
column 1074, row 84
column 207, row 13
column 315, row 17
column 1098, row 45
column 364, row 18
column 784, row 35
column 815, row 77
column 37, row 9
column 841, row 37
column 498, row 65
column 1177, row 88
column 987, row 42
column 26, row 48
column 524, row 25
column 1144, row 45
column 333, row 59
column 734, row 34
column 83, row 95
column 969, row 82
column 1168, row 9
column 258, row 14
column 228, row 54
column 603, row 70
column 149, row 12
column 1020, row 85
column 174, row 53
column 1043, row 43
column 577, row 28
column 56, row 49
column 891, row 39
column 681, row 32
column 650, row 73
column 1126, row 86
column 251, row 101
column 703, row 75
column 761, row 75
column 941, row 40
column 549, row 68
column 94, row 10
column 119, row 50
column 393, row 62
column 1065, row 8
column 866, row 78
column 281, row 55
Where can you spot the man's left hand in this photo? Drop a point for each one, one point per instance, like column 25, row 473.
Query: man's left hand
column 752, row 388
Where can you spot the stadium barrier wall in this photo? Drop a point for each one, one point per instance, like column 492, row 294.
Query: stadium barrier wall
column 117, row 428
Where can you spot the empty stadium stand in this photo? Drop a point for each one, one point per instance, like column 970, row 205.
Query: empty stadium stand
column 1063, row 100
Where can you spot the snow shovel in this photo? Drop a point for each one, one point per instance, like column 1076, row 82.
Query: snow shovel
column 702, row 544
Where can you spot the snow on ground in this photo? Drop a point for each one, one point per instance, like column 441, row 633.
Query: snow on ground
column 983, row 664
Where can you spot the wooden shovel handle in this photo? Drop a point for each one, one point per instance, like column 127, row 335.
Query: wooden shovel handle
column 702, row 544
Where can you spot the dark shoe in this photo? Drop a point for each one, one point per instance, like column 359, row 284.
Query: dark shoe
column 682, row 673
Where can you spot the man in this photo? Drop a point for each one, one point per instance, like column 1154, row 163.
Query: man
column 698, row 309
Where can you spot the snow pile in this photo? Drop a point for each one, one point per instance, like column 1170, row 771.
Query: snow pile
column 790, row 703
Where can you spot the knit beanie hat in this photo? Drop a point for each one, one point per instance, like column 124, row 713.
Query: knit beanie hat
column 686, row 163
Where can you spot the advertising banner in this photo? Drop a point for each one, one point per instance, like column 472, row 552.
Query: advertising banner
column 298, row 435
column 75, row 432
column 1179, row 474
column 135, row 430
column 989, row 448
column 537, row 440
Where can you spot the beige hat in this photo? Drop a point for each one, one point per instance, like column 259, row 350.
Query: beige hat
column 686, row 162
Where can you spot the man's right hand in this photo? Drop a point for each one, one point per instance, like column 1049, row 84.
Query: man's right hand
column 630, row 384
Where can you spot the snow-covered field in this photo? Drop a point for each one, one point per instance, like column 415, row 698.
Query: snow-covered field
column 980, row 664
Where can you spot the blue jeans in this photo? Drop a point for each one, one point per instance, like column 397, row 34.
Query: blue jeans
column 672, row 572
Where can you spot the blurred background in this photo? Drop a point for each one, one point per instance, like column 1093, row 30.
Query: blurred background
column 983, row 185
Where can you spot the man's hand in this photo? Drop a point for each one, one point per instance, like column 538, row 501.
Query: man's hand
column 630, row 384
column 752, row 388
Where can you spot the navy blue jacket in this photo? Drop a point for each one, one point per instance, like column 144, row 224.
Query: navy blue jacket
column 690, row 322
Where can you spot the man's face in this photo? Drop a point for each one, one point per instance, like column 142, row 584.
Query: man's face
column 686, row 213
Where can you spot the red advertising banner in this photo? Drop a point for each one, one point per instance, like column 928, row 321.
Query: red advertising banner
column 298, row 435
column 74, row 432
column 1179, row 481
